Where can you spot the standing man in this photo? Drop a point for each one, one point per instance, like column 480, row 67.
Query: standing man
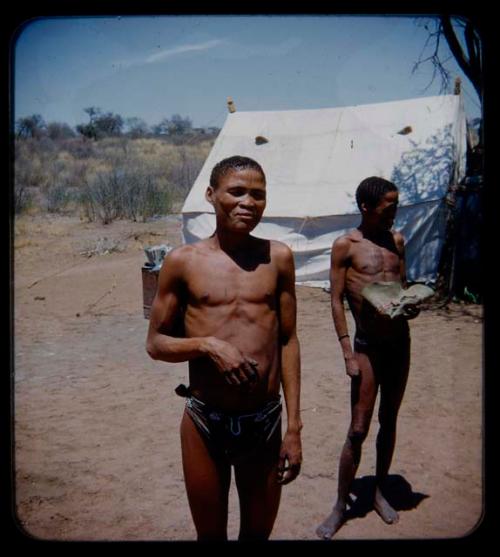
column 380, row 355
column 236, row 296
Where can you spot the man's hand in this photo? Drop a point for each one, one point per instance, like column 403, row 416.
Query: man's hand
column 236, row 368
column 290, row 458
column 352, row 366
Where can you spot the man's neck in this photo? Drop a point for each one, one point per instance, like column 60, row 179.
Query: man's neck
column 230, row 242
column 372, row 232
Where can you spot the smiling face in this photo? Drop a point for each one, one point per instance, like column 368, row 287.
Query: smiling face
column 383, row 214
column 239, row 200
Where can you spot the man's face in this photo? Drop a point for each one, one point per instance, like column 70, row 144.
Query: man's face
column 239, row 199
column 384, row 213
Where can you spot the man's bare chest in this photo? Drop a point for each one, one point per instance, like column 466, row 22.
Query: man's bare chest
column 369, row 258
column 219, row 282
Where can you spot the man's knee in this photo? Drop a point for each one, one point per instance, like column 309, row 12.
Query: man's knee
column 357, row 435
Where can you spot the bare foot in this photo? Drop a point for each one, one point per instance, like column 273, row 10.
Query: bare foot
column 386, row 512
column 329, row 527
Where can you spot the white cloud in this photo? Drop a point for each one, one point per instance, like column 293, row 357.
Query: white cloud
column 162, row 54
column 233, row 51
column 239, row 51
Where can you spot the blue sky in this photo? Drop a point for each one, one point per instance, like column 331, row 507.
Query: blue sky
column 154, row 67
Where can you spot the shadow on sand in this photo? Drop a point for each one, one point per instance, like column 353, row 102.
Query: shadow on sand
column 397, row 491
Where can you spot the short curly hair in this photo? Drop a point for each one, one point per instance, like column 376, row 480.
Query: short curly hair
column 236, row 162
column 371, row 190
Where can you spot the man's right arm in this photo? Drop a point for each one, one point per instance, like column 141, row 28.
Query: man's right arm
column 160, row 345
column 338, row 270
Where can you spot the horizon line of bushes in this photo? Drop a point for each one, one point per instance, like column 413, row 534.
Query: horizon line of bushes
column 107, row 124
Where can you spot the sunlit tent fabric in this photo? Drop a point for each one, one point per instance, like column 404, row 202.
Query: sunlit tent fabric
column 314, row 161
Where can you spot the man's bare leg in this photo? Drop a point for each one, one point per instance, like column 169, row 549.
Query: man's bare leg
column 363, row 395
column 391, row 396
column 259, row 491
column 386, row 440
column 349, row 462
column 207, row 484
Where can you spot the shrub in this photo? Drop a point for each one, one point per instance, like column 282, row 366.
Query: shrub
column 23, row 198
column 124, row 194
column 101, row 198
column 58, row 198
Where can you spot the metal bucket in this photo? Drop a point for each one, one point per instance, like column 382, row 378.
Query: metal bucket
column 150, row 272
column 149, row 286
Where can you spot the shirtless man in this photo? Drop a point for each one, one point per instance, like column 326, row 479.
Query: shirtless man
column 380, row 355
column 236, row 296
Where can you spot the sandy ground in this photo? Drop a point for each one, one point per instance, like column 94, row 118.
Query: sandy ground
column 97, row 451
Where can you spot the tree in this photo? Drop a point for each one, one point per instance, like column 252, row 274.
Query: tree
column 162, row 127
column 93, row 112
column 464, row 43
column 30, row 126
column 109, row 124
column 177, row 125
column 59, row 130
column 89, row 130
column 136, row 127
column 100, row 125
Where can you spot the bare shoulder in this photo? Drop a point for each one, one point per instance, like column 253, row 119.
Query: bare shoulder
column 178, row 259
column 282, row 258
column 280, row 249
column 344, row 243
column 281, row 253
column 187, row 251
column 180, row 254
column 353, row 236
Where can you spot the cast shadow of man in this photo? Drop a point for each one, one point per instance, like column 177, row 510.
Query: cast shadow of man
column 397, row 491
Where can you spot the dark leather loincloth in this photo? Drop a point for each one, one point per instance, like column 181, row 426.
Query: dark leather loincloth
column 233, row 435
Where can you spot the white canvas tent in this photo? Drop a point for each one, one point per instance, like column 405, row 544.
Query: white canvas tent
column 315, row 159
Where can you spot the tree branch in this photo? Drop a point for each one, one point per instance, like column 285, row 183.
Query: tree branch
column 473, row 72
column 437, row 64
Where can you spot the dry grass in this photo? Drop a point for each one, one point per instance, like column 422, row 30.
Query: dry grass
column 58, row 167
column 36, row 225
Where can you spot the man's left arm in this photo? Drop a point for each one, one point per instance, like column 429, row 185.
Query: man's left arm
column 291, row 446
